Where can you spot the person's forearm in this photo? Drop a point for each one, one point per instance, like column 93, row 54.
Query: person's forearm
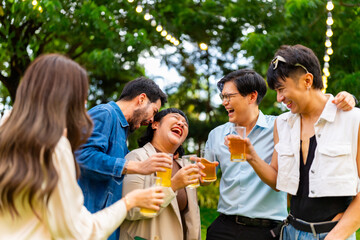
column 266, row 172
column 349, row 222
column 132, row 167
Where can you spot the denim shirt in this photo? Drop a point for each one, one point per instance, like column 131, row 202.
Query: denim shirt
column 241, row 190
column 102, row 158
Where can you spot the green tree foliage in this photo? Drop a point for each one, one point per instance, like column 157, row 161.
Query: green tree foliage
column 107, row 37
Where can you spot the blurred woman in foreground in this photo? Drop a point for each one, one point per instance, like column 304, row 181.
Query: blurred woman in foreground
column 39, row 195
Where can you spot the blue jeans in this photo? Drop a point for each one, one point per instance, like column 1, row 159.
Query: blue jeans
column 290, row 233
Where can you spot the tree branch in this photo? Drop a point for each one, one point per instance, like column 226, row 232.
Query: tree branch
column 79, row 54
column 349, row 4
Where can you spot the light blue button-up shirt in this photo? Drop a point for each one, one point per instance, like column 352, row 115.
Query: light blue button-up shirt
column 241, row 190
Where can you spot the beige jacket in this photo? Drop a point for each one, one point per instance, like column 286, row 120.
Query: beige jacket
column 167, row 224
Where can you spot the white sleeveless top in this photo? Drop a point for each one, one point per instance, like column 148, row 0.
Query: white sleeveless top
column 334, row 169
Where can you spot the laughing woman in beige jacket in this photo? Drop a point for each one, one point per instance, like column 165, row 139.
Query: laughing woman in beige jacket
column 179, row 216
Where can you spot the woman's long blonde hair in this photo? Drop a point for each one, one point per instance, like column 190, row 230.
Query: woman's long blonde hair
column 50, row 98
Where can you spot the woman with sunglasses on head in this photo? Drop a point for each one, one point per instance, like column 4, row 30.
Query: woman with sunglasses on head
column 179, row 216
column 316, row 159
column 39, row 195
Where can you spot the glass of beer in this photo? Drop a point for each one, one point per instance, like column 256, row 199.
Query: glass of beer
column 208, row 160
column 188, row 160
column 237, row 145
column 150, row 181
column 166, row 176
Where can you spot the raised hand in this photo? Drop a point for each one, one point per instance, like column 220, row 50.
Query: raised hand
column 344, row 101
column 155, row 163
column 150, row 198
column 185, row 176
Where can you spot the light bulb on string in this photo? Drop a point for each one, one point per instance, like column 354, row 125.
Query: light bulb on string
column 326, row 58
column 329, row 21
column 329, row 33
column 139, row 9
column 330, row 51
column 168, row 37
column 329, row 6
column 176, row 42
column 159, row 28
column 147, row 16
column 34, row 3
column 163, row 33
column 153, row 23
column 203, row 46
column 327, row 73
column 130, row 1
column 328, row 43
column 172, row 40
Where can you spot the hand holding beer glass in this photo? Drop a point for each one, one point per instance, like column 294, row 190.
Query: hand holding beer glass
column 149, row 182
column 208, row 160
column 191, row 160
column 237, row 144
column 166, row 176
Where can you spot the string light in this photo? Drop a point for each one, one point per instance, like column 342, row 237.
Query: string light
column 203, row 46
column 159, row 28
column 147, row 16
column 139, row 9
column 328, row 51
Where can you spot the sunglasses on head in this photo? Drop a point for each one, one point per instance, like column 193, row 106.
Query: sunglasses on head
column 278, row 58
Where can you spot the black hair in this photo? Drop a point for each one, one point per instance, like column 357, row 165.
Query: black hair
column 247, row 81
column 296, row 57
column 149, row 134
column 143, row 85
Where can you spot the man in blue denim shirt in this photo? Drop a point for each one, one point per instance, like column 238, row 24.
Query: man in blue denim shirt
column 101, row 159
column 249, row 209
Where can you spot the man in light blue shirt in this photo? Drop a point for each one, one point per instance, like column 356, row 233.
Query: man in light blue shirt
column 249, row 209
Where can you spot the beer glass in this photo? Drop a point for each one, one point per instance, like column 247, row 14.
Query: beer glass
column 208, row 160
column 188, row 160
column 237, row 146
column 166, row 176
column 150, row 181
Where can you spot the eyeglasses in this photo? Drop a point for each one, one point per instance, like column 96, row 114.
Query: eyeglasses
column 276, row 60
column 227, row 97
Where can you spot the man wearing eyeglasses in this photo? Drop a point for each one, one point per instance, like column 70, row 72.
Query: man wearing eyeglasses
column 249, row 209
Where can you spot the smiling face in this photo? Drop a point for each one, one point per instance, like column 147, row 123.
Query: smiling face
column 171, row 130
column 144, row 114
column 236, row 105
column 292, row 94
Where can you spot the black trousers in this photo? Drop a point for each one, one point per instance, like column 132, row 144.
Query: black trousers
column 224, row 228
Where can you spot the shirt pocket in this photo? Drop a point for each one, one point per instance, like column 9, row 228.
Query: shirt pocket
column 286, row 157
column 335, row 159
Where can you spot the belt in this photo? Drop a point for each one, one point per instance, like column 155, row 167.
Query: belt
column 253, row 222
column 314, row 228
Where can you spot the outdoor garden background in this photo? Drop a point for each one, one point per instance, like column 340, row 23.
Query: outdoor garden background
column 201, row 39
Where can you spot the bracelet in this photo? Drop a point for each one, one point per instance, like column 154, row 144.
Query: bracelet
column 125, row 167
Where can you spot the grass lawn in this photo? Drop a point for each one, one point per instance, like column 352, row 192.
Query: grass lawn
column 208, row 216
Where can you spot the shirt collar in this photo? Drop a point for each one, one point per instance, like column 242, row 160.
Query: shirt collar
column 119, row 114
column 260, row 122
column 329, row 111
